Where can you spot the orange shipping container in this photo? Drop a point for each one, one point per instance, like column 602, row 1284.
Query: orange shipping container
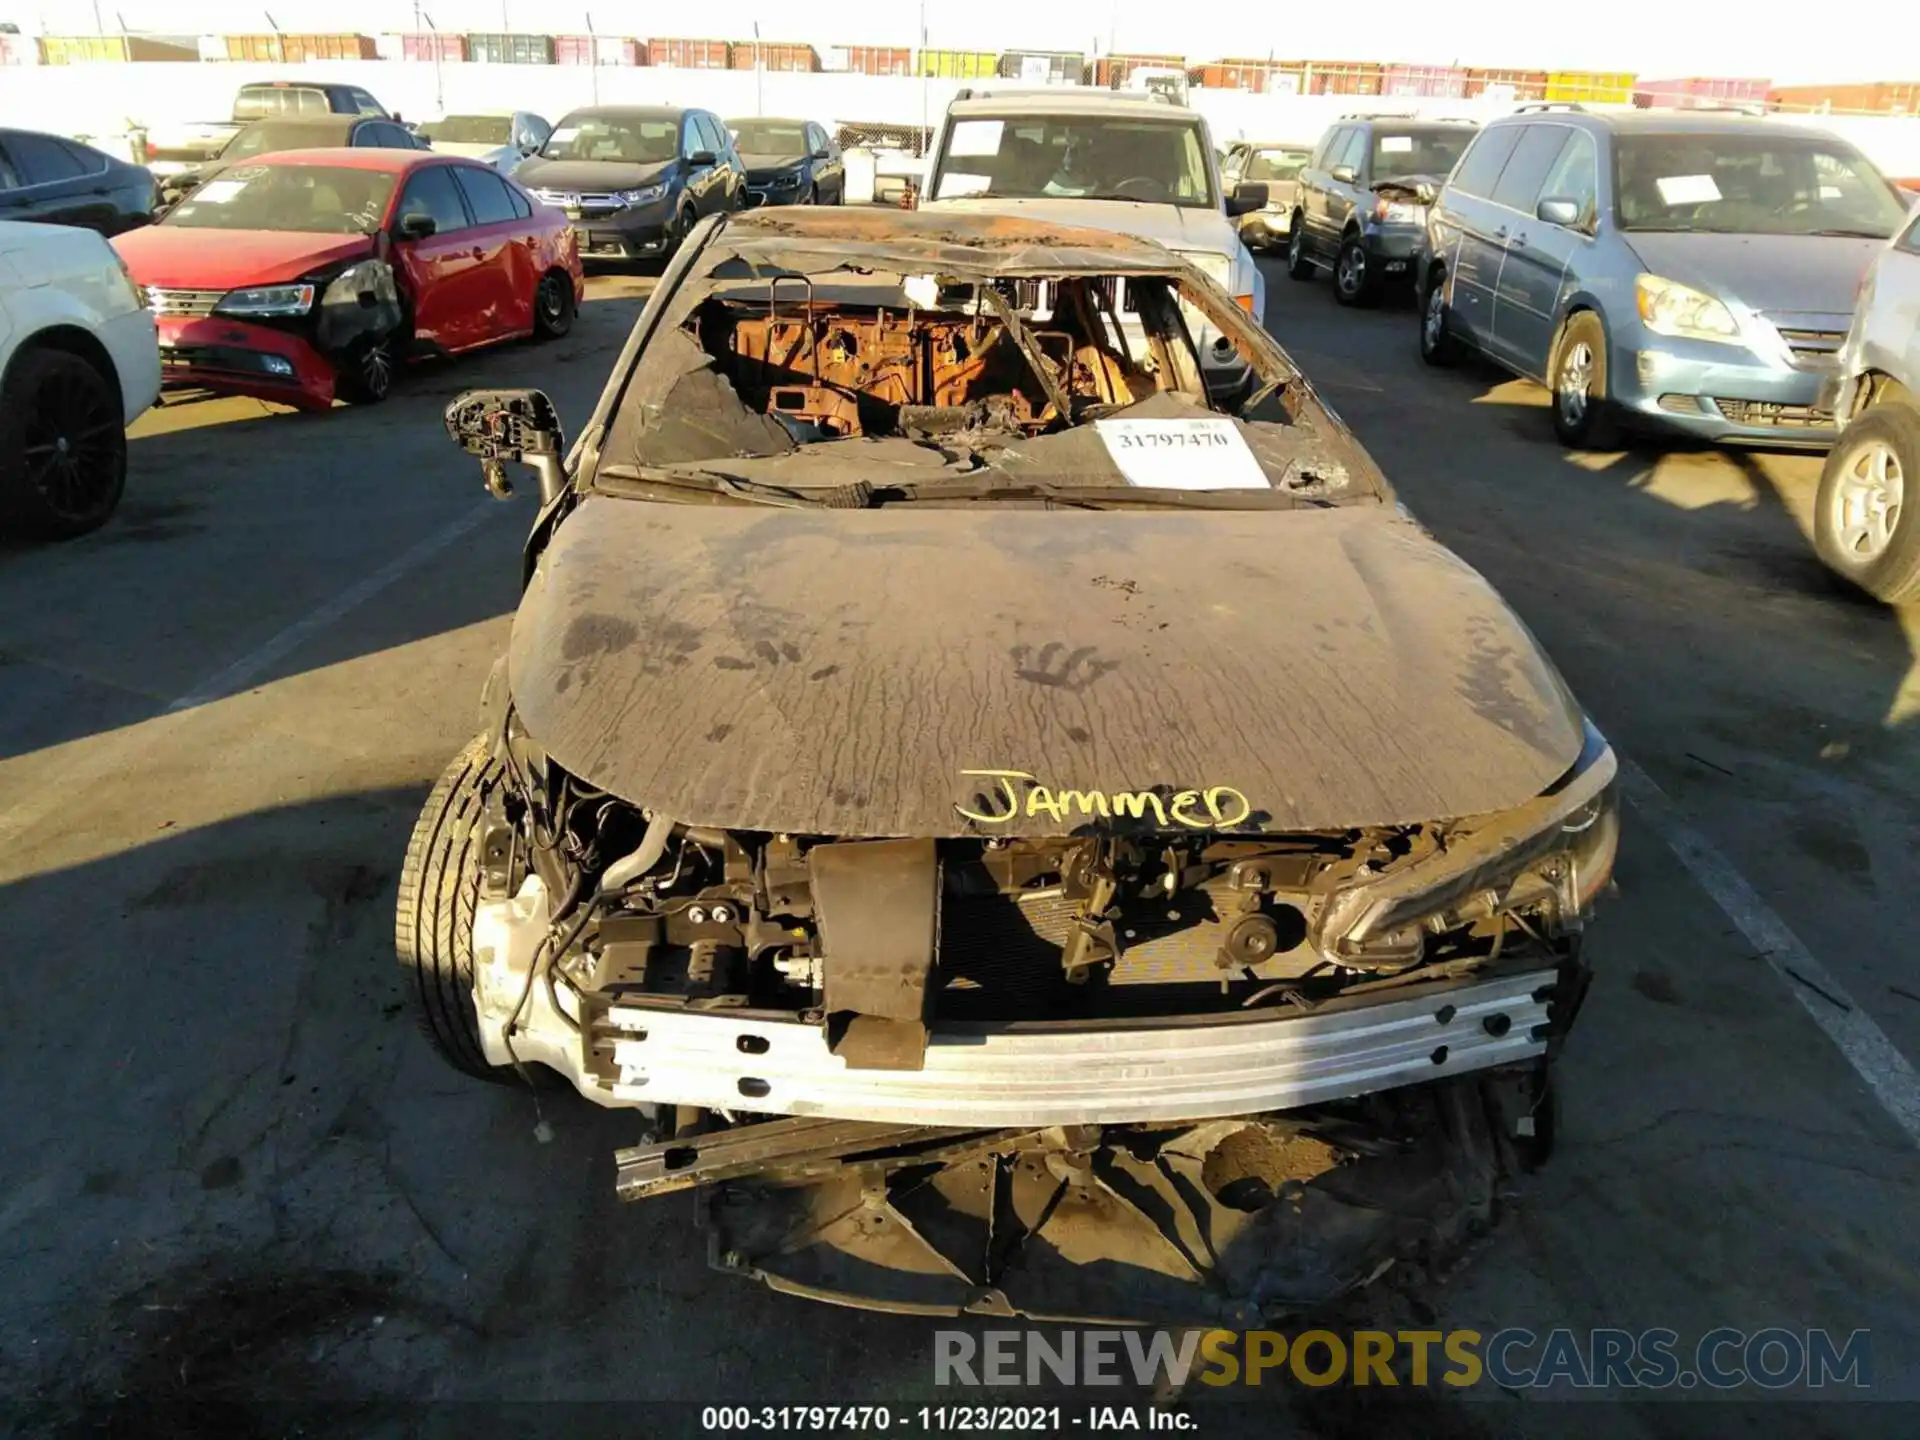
column 1876, row 97
column 689, row 54
column 1111, row 71
column 1339, row 77
column 770, row 55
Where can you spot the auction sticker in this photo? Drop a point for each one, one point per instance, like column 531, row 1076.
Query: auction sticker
column 1182, row 454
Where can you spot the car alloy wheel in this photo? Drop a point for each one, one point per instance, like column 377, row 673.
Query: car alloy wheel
column 1350, row 272
column 1865, row 500
column 1433, row 324
column 1573, row 387
column 74, row 450
column 553, row 305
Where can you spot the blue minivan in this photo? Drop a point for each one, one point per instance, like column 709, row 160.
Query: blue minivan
column 1686, row 270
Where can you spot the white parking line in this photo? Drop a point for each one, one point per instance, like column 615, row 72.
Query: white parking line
column 1874, row 1057
column 116, row 753
column 236, row 677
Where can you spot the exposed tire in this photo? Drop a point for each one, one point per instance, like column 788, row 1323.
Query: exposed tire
column 813, row 195
column 1577, row 382
column 682, row 224
column 433, row 919
column 63, row 446
column 1299, row 265
column 1863, row 526
column 1354, row 281
column 366, row 374
column 553, row 305
column 1438, row 344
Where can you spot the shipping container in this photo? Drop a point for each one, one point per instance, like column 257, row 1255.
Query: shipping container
column 772, row 55
column 427, row 45
column 689, row 54
column 1438, row 82
column 1110, row 72
column 1875, row 97
column 116, row 49
column 871, row 60
column 1591, row 87
column 1697, row 90
column 1338, row 77
column 573, row 49
column 958, row 64
column 1043, row 67
column 493, row 47
column 20, row 50
column 619, row 50
column 293, row 49
column 1511, row 85
column 1259, row 76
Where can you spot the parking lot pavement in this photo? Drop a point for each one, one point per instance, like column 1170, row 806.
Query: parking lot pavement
column 232, row 1176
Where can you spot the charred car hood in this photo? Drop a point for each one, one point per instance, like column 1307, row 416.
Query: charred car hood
column 187, row 258
column 1178, row 227
column 839, row 672
column 591, row 176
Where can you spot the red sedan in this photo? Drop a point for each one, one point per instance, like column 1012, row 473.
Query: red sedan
column 306, row 276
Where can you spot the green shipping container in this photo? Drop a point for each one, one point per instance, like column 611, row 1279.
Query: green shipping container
column 492, row 48
column 958, row 64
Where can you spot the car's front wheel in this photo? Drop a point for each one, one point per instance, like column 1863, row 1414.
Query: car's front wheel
column 63, row 445
column 1577, row 379
column 1354, row 282
column 1438, row 344
column 433, row 919
column 1862, row 525
column 365, row 374
column 1299, row 265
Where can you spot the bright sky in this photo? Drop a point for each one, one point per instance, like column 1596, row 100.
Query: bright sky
column 1655, row 38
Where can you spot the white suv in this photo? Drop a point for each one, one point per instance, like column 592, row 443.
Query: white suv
column 79, row 361
column 1133, row 164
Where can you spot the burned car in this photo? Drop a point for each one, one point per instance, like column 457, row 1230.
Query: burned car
column 1024, row 838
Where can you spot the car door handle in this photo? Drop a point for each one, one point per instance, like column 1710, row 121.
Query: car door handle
column 1519, row 242
column 478, row 253
column 1501, row 233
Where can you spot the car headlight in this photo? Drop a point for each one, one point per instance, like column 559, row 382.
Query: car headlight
column 1216, row 267
column 1669, row 308
column 642, row 196
column 1549, row 858
column 267, row 300
column 786, row 180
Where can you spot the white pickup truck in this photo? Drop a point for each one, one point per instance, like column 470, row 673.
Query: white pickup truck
column 79, row 362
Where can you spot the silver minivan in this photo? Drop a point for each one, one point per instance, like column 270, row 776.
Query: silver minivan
column 1684, row 271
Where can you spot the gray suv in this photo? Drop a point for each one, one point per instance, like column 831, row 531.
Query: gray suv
column 1681, row 270
column 1362, row 206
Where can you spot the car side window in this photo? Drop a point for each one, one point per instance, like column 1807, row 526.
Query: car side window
column 1575, row 176
column 1479, row 169
column 43, row 161
column 433, row 191
column 1519, row 185
column 366, row 104
column 522, row 207
column 486, row 195
column 9, row 178
column 1909, row 242
column 1355, row 153
column 816, row 142
column 363, row 136
column 1330, row 146
column 717, row 140
column 690, row 136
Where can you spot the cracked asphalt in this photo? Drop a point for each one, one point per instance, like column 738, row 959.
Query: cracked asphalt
column 233, row 1180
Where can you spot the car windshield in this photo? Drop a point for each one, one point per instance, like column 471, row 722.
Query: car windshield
column 1079, row 157
column 1750, row 183
column 255, row 101
column 631, row 140
column 1073, row 387
column 1277, row 164
column 769, row 137
column 1398, row 153
column 258, row 139
column 317, row 199
column 469, row 130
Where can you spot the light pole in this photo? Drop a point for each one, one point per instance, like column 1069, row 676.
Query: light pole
column 439, row 90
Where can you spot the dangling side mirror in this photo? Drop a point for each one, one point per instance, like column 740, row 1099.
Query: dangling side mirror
column 510, row 425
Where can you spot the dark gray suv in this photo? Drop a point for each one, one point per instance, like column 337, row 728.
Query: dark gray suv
column 635, row 179
column 1681, row 270
column 1363, row 200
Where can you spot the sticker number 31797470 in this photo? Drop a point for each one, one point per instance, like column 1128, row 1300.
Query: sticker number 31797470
column 1199, row 454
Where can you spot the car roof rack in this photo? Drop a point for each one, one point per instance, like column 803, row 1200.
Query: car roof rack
column 1380, row 115
column 1533, row 106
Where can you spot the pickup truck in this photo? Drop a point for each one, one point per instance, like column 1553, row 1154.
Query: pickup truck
column 173, row 148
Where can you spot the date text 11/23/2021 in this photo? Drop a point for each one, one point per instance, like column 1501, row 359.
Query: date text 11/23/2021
column 943, row 1419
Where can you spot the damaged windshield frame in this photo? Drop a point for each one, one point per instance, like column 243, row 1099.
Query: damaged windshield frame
column 980, row 451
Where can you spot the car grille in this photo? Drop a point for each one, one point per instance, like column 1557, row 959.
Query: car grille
column 1767, row 412
column 595, row 203
column 193, row 304
column 1813, row 349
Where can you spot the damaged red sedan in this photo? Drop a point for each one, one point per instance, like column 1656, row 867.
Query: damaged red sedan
column 305, row 277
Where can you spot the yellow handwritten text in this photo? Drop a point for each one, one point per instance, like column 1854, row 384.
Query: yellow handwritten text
column 1015, row 793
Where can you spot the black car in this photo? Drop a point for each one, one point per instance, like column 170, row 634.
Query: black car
column 1364, row 197
column 62, row 182
column 789, row 162
column 320, row 132
column 635, row 179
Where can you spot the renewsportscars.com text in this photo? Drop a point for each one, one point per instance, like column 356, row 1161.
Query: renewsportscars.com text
column 1514, row 1359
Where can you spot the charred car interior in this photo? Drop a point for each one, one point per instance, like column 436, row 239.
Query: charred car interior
column 1179, row 923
